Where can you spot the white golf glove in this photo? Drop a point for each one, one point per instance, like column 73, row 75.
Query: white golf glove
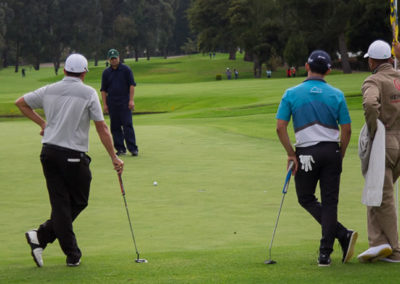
column 306, row 161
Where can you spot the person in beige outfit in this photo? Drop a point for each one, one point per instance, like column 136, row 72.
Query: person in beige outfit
column 381, row 100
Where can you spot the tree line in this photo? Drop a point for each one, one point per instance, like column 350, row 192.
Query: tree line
column 269, row 32
column 38, row 31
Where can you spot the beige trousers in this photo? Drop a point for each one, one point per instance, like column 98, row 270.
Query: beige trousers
column 382, row 220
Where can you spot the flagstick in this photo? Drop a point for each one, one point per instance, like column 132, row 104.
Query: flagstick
column 395, row 67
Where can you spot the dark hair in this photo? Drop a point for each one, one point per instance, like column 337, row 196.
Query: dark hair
column 72, row 74
column 381, row 61
column 318, row 68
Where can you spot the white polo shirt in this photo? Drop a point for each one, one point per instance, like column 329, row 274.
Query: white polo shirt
column 68, row 105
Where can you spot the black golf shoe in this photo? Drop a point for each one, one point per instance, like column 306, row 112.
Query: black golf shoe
column 348, row 244
column 324, row 260
column 121, row 153
column 73, row 263
column 36, row 249
column 135, row 153
column 74, row 259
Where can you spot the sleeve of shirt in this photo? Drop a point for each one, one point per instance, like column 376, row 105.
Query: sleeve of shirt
column 131, row 79
column 35, row 99
column 344, row 115
column 103, row 82
column 284, row 110
column 95, row 112
column 371, row 103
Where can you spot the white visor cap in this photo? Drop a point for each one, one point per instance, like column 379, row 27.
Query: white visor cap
column 379, row 49
column 76, row 63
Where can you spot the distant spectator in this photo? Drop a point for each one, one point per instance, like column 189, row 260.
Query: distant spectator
column 107, row 63
column 236, row 73
column 228, row 73
column 288, row 73
column 23, row 72
column 269, row 73
column 293, row 71
column 210, row 55
column 214, row 54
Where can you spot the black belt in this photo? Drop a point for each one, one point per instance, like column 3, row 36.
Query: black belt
column 59, row 148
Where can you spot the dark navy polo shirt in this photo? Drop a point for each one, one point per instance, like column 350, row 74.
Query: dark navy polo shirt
column 116, row 83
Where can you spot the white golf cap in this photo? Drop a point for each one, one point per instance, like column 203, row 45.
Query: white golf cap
column 379, row 49
column 76, row 63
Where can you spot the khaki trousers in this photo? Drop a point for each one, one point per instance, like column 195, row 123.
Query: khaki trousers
column 382, row 220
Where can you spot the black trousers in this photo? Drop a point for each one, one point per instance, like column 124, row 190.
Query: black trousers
column 122, row 128
column 326, row 169
column 68, row 180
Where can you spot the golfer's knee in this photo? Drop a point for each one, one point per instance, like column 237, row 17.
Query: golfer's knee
column 306, row 201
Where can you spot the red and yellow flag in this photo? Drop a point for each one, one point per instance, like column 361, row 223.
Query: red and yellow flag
column 394, row 21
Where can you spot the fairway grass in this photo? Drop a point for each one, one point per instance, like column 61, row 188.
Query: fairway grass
column 220, row 170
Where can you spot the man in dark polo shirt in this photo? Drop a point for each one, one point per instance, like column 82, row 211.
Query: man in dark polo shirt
column 117, row 91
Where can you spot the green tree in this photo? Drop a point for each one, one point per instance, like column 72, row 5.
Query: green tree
column 258, row 29
column 189, row 47
column 14, row 32
column 210, row 19
column 88, row 38
column 335, row 25
column 61, row 29
column 165, row 26
column 369, row 21
column 5, row 15
column 181, row 29
column 295, row 52
column 32, row 48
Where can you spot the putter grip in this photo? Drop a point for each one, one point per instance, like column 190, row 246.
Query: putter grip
column 287, row 179
column 121, row 184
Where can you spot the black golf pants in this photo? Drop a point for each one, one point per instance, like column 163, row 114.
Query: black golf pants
column 326, row 169
column 68, row 180
column 122, row 128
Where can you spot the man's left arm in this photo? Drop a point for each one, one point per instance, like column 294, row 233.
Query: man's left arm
column 131, row 95
column 345, row 135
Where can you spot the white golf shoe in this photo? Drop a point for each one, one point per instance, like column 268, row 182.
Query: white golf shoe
column 36, row 250
column 375, row 253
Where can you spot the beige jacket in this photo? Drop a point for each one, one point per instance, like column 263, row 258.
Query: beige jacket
column 381, row 99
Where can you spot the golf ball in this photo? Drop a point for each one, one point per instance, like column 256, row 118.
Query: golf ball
column 155, row 183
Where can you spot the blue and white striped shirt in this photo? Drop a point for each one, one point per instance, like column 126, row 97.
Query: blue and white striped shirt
column 317, row 109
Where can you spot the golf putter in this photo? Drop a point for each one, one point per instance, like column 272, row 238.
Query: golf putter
column 284, row 191
column 138, row 259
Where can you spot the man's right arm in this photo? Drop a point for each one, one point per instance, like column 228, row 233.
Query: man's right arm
column 103, row 91
column 105, row 137
column 281, row 130
column 30, row 113
column 371, row 104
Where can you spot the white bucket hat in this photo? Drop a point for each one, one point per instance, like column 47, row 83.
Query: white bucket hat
column 379, row 49
column 76, row 63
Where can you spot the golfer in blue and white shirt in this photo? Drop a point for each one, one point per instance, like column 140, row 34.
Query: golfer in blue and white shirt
column 317, row 110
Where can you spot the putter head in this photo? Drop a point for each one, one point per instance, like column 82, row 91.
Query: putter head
column 141, row 260
column 270, row 261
